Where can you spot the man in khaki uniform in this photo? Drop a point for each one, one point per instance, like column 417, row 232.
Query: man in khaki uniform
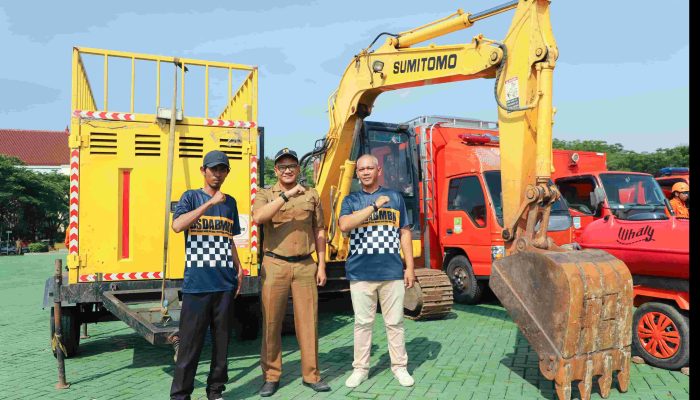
column 293, row 224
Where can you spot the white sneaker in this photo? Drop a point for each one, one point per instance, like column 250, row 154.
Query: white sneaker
column 358, row 376
column 404, row 378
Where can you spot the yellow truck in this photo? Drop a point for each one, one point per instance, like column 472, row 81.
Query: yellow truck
column 129, row 165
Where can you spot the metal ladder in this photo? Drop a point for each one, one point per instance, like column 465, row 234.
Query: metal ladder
column 427, row 160
column 428, row 172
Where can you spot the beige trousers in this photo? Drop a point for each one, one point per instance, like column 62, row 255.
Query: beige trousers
column 278, row 278
column 364, row 302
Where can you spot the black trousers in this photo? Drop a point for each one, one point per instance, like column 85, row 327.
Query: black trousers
column 199, row 311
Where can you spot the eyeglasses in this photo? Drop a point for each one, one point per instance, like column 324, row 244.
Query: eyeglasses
column 286, row 167
column 685, row 193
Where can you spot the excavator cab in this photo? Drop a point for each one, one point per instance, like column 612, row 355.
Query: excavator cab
column 394, row 147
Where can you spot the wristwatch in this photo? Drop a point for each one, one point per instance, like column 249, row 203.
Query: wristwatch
column 374, row 205
column 284, row 197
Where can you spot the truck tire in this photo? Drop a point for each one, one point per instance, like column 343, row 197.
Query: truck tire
column 70, row 330
column 661, row 335
column 466, row 289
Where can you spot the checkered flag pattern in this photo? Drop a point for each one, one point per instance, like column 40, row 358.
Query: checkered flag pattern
column 374, row 239
column 208, row 251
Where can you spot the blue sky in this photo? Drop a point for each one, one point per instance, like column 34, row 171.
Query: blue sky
column 622, row 74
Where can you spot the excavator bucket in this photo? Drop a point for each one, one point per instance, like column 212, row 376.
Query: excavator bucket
column 575, row 309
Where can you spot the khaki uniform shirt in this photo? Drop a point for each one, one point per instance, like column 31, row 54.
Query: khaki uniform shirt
column 290, row 232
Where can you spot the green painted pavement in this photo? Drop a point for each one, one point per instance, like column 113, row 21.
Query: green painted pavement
column 476, row 353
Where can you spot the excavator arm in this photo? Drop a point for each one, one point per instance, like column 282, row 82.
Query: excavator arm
column 573, row 307
column 388, row 68
column 522, row 90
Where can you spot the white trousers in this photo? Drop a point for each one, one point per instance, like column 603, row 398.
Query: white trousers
column 364, row 302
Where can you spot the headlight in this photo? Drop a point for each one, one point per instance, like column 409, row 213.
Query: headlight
column 497, row 252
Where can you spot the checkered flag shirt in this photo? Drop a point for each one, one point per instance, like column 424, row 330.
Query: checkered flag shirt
column 374, row 239
column 208, row 251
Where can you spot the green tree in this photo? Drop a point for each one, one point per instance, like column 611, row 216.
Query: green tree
column 32, row 205
column 271, row 178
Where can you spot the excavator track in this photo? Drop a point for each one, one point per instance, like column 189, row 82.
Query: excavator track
column 430, row 297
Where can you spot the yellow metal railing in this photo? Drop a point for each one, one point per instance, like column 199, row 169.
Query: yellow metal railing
column 243, row 101
column 236, row 106
column 82, row 98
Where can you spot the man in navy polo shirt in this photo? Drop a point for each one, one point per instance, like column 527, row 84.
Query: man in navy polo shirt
column 378, row 224
column 209, row 219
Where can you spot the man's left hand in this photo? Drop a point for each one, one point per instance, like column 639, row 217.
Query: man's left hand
column 409, row 278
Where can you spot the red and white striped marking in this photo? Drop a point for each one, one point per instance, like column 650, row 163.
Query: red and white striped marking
column 229, row 123
column 73, row 211
column 253, row 191
column 103, row 115
column 121, row 276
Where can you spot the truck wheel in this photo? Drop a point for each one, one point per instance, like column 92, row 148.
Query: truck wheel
column 70, row 330
column 661, row 335
column 466, row 289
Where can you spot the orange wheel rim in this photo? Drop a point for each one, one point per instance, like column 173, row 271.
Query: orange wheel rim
column 658, row 335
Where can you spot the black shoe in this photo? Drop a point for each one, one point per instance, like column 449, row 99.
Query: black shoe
column 269, row 388
column 319, row 386
column 214, row 395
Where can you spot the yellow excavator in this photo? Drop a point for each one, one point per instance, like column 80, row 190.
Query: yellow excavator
column 574, row 307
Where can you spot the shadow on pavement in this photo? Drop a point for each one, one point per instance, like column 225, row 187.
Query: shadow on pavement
column 524, row 358
column 494, row 310
column 420, row 350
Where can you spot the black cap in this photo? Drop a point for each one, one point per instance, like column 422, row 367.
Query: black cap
column 214, row 158
column 286, row 152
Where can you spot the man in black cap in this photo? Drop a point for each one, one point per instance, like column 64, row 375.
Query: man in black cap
column 213, row 271
column 294, row 228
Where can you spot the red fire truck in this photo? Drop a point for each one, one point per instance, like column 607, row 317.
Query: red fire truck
column 627, row 215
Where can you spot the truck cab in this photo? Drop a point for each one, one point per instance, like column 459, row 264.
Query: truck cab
column 463, row 204
column 592, row 192
column 627, row 215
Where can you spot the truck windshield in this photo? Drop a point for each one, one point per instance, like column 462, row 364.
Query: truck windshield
column 560, row 218
column 632, row 196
